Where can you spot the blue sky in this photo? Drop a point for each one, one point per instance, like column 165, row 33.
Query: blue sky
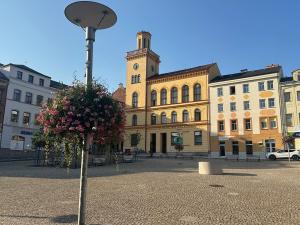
column 236, row 34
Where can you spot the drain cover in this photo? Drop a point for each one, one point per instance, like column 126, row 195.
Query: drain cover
column 216, row 185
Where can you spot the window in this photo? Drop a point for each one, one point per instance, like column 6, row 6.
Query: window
column 263, row 123
column 19, row 75
column 232, row 106
column 246, row 105
column 185, row 93
column 197, row 92
column 139, row 78
column 153, row 119
column 174, row 135
column 39, row 100
column 174, row 95
column 235, row 147
column 245, row 88
column 153, row 98
column 163, row 97
column 220, row 92
column 298, row 95
column 14, row 116
column 163, row 118
column 233, row 125
column 220, row 108
column 197, row 115
column 41, row 83
column 273, row 123
column 261, row 86
column 134, row 100
column 134, row 140
column 232, row 90
column 174, row 117
column 17, row 95
column 185, row 116
column 247, row 124
column 198, row 137
column 249, row 148
column 28, row 98
column 287, row 96
column 221, row 125
column 262, row 103
column 26, row 118
column 30, row 79
column 134, row 120
column 133, row 79
column 270, row 85
column 271, row 102
column 289, row 120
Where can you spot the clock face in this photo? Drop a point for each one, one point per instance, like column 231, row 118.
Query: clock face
column 135, row 66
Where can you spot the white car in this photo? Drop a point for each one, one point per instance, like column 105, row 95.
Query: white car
column 284, row 154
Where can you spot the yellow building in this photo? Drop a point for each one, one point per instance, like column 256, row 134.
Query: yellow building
column 160, row 107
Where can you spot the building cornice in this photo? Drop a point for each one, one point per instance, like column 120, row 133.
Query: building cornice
column 177, row 77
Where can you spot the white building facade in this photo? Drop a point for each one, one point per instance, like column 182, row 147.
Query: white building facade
column 27, row 91
column 246, row 113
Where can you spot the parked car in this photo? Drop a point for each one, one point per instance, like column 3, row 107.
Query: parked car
column 284, row 154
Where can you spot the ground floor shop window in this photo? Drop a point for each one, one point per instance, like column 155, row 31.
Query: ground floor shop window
column 134, row 140
column 235, row 147
column 270, row 145
column 222, row 148
column 198, row 137
column 249, row 148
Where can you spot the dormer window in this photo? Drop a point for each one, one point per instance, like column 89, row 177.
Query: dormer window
column 19, row 75
column 30, row 79
column 41, row 82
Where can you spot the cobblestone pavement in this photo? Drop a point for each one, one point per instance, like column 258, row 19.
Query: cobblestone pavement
column 153, row 192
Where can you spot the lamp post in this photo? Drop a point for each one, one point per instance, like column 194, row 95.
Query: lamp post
column 90, row 16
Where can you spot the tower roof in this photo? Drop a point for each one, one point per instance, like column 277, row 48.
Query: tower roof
column 143, row 32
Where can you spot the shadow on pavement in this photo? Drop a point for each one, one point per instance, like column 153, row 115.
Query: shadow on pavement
column 65, row 219
column 26, row 168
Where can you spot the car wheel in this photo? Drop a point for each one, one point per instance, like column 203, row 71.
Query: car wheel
column 272, row 157
column 295, row 157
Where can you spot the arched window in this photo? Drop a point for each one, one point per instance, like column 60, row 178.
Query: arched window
column 139, row 78
column 163, row 97
column 197, row 92
column 185, row 93
column 153, row 98
column 174, row 117
column 163, row 118
column 174, row 95
column 134, row 120
column 185, row 116
column 153, row 119
column 134, row 100
column 197, row 116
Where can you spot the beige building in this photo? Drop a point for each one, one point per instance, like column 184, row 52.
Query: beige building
column 246, row 113
column 161, row 107
column 291, row 94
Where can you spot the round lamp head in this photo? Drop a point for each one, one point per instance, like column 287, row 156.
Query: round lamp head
column 90, row 14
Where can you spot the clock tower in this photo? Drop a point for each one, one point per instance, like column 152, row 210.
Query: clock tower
column 142, row 63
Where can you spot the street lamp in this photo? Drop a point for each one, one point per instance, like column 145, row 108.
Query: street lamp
column 90, row 16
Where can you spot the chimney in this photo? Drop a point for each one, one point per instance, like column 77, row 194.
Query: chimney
column 121, row 86
column 271, row 66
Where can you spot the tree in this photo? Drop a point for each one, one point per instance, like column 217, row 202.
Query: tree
column 76, row 113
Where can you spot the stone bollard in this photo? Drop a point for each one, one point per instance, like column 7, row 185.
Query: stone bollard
column 209, row 168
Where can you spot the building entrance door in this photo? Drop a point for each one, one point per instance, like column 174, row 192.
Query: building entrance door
column 163, row 142
column 153, row 143
column 222, row 148
column 270, row 145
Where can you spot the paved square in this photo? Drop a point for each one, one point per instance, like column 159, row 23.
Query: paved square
column 154, row 191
